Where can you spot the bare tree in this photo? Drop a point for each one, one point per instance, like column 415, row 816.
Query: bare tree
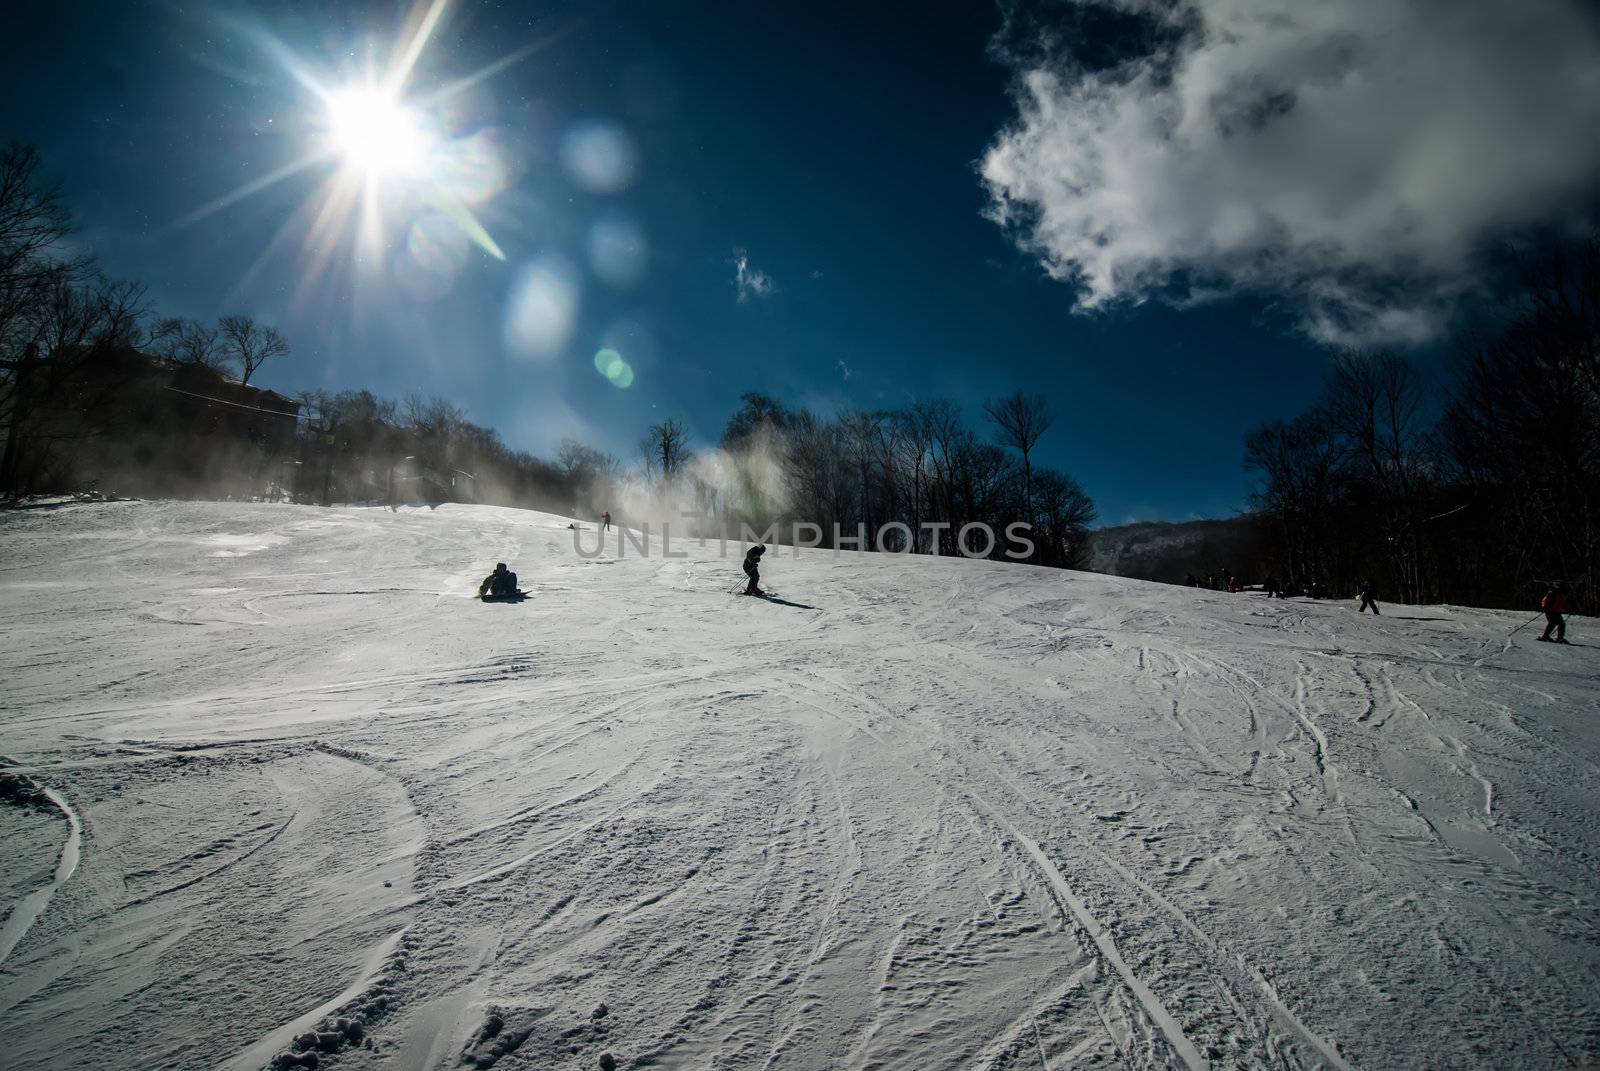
column 580, row 464
column 250, row 344
column 1523, row 427
column 436, row 426
column 757, row 414
column 665, row 449
column 861, row 435
column 913, row 442
column 52, row 396
column 815, row 469
column 1300, row 466
column 1372, row 400
column 33, row 222
column 189, row 342
column 1022, row 419
column 1065, row 514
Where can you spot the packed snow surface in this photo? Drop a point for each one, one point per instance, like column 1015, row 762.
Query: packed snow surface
column 312, row 803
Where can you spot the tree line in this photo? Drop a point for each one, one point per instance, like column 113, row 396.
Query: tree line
column 1480, row 493
column 900, row 480
column 356, row 447
column 64, row 323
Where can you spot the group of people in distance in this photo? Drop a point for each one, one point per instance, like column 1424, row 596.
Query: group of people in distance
column 1555, row 603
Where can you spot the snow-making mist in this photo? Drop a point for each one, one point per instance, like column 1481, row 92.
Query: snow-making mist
column 290, row 796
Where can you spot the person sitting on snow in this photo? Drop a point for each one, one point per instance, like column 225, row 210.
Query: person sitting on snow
column 500, row 582
column 752, row 569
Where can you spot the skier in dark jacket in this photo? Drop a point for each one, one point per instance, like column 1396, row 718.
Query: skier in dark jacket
column 1271, row 587
column 500, row 582
column 752, row 569
column 1368, row 599
column 1554, row 604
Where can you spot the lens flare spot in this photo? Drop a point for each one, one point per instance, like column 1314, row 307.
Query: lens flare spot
column 434, row 254
column 543, row 308
column 617, row 251
column 600, row 157
column 476, row 168
column 609, row 363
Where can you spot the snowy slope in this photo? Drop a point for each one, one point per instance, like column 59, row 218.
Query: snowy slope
column 939, row 814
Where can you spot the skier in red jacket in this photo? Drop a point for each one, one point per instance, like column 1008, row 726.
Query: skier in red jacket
column 1554, row 605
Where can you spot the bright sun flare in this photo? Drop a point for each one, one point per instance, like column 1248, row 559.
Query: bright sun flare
column 375, row 133
column 400, row 169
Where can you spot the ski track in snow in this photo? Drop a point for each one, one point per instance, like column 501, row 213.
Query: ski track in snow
column 929, row 813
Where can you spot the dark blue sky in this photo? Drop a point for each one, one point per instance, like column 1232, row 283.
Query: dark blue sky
column 838, row 151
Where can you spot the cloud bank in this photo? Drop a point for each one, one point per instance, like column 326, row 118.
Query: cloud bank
column 1356, row 155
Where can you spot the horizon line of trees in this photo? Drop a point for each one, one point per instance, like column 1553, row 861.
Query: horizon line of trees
column 864, row 473
column 1484, row 503
column 772, row 467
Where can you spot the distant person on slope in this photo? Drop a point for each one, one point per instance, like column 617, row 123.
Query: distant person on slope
column 1368, row 599
column 1270, row 586
column 752, row 569
column 1554, row 604
column 500, row 582
column 605, row 521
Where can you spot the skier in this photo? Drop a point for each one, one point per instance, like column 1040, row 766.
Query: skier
column 752, row 569
column 1554, row 605
column 1270, row 586
column 1190, row 581
column 1233, row 584
column 605, row 521
column 1368, row 599
column 500, row 582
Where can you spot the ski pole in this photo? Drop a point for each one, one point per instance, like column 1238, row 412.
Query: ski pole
column 1524, row 625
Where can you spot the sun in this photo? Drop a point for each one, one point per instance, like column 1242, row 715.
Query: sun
column 375, row 134
column 400, row 167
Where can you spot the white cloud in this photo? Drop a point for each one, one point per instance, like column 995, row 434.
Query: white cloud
column 748, row 280
column 1358, row 155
